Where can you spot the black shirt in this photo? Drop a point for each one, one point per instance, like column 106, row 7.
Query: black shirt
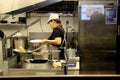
column 58, row 32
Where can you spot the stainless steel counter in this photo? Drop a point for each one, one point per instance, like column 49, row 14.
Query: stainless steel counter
column 22, row 71
column 25, row 71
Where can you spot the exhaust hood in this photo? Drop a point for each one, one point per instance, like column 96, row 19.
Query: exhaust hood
column 59, row 6
column 33, row 7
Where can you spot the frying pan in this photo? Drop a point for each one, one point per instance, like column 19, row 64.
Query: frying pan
column 38, row 61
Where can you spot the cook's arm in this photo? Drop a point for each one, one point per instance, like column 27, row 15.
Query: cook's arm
column 56, row 41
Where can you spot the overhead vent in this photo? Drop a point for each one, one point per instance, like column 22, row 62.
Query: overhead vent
column 59, row 7
column 33, row 7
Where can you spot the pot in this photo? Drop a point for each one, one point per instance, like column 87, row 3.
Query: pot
column 71, row 52
column 40, row 55
column 19, row 42
column 54, row 53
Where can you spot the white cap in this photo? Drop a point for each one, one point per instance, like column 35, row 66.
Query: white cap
column 53, row 16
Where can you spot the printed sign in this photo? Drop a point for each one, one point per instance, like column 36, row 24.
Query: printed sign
column 111, row 16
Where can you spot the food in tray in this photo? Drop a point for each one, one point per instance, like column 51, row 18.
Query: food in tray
column 56, row 64
column 20, row 50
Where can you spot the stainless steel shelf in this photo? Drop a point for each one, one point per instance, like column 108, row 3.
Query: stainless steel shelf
column 11, row 25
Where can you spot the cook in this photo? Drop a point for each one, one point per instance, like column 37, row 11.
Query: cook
column 57, row 36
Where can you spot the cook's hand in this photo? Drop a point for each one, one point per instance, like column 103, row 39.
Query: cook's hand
column 43, row 41
column 45, row 51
